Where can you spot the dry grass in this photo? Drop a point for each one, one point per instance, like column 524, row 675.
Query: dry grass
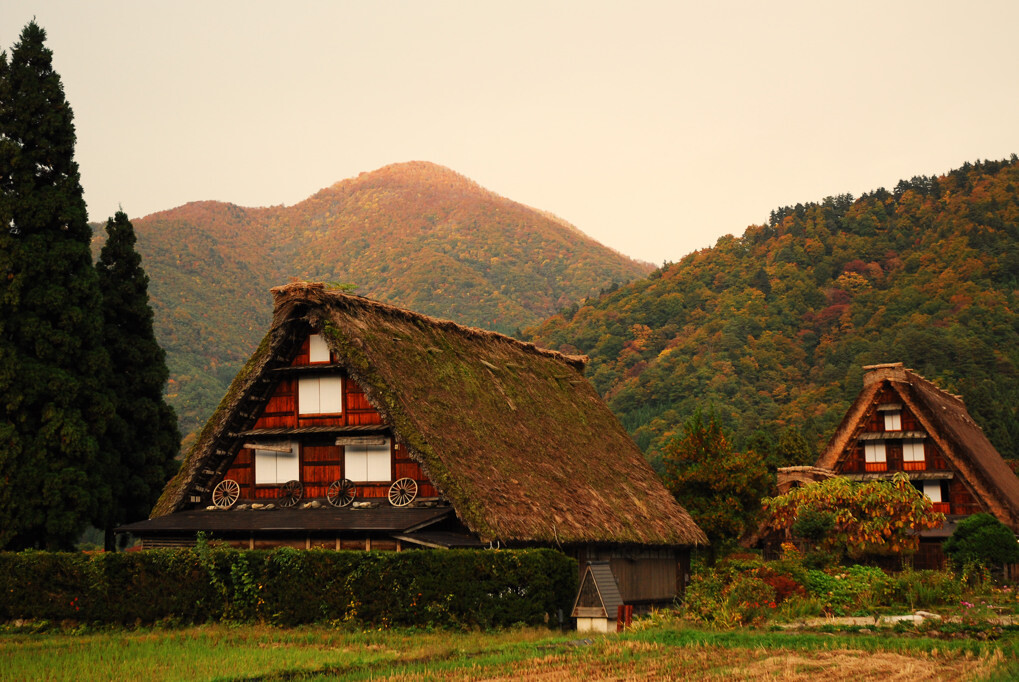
column 317, row 652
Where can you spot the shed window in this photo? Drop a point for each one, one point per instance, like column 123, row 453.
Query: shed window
column 320, row 395
column 367, row 462
column 274, row 467
column 874, row 455
column 318, row 350
column 893, row 421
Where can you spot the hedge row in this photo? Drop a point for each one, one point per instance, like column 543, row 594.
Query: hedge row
column 288, row 586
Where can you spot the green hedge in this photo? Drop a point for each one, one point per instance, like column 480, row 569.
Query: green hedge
column 287, row 586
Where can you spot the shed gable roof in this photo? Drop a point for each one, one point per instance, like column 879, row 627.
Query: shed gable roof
column 513, row 435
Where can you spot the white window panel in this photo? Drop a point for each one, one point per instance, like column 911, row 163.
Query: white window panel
column 932, row 489
column 893, row 421
column 379, row 463
column 320, row 395
column 874, row 451
column 319, row 349
column 912, row 451
column 367, row 462
column 330, row 396
column 307, row 396
column 273, row 467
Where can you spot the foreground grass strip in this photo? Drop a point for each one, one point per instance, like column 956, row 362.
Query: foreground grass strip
column 312, row 653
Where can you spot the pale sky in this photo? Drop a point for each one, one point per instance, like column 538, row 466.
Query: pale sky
column 654, row 127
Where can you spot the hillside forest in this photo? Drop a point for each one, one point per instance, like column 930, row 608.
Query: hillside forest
column 769, row 331
column 415, row 234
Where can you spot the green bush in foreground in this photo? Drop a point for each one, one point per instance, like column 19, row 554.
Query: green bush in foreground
column 288, row 587
column 743, row 589
column 982, row 539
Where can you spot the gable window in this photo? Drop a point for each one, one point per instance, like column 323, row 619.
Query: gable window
column 874, row 456
column 363, row 463
column 320, row 395
column 932, row 489
column 318, row 350
column 277, row 464
column 893, row 420
column 913, row 458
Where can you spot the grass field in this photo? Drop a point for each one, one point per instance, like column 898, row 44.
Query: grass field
column 663, row 651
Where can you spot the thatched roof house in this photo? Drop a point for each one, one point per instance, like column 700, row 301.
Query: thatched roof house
column 901, row 422
column 509, row 439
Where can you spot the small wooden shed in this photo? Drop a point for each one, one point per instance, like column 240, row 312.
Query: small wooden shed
column 599, row 603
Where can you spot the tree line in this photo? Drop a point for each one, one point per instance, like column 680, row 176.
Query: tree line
column 86, row 437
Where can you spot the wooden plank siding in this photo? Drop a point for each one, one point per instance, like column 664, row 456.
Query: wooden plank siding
column 321, row 460
column 958, row 500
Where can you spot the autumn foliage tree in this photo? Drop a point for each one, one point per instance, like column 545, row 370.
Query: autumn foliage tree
column 875, row 517
column 720, row 487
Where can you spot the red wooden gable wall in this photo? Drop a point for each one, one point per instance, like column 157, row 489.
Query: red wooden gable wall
column 959, row 499
column 321, row 460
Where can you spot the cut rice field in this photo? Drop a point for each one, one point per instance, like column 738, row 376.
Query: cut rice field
column 220, row 652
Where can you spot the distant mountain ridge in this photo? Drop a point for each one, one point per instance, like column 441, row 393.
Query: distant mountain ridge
column 771, row 329
column 415, row 234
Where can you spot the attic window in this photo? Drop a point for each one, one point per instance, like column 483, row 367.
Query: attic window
column 874, row 456
column 932, row 489
column 273, row 467
column 362, row 463
column 320, row 395
column 318, row 351
column 893, row 420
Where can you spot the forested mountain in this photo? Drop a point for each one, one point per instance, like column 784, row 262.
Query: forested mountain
column 415, row 234
column 771, row 329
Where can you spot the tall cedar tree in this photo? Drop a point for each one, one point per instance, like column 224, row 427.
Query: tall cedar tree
column 720, row 487
column 53, row 404
column 142, row 438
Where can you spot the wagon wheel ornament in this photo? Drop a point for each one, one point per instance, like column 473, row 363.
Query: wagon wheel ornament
column 226, row 493
column 403, row 492
column 290, row 493
column 340, row 493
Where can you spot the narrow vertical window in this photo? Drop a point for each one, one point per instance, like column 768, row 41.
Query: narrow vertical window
column 318, row 350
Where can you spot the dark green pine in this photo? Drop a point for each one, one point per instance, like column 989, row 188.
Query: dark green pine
column 53, row 401
column 142, row 439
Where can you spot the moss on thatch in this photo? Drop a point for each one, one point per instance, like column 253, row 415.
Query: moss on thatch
column 513, row 435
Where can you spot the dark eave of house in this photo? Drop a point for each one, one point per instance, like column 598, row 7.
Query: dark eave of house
column 379, row 519
column 442, row 539
column 359, row 429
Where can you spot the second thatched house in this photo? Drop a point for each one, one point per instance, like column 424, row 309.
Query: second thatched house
column 359, row 425
column 901, row 422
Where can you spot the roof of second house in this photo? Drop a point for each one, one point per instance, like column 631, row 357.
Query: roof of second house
column 945, row 418
column 513, row 436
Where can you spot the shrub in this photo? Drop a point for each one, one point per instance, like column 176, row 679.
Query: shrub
column 847, row 590
column 287, row 587
column 983, row 539
column 922, row 589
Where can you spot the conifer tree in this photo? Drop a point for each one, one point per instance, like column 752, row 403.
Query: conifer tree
column 53, row 404
column 142, row 438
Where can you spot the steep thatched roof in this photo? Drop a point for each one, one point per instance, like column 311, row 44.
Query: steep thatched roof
column 945, row 419
column 512, row 435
